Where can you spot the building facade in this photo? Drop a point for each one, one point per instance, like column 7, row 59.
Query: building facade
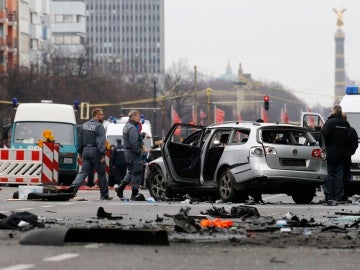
column 8, row 35
column 39, row 31
column 126, row 35
column 68, row 28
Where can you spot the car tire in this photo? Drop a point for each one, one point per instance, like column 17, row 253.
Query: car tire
column 227, row 191
column 157, row 185
column 304, row 196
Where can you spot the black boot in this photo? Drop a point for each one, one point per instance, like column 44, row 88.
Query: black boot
column 136, row 196
column 120, row 190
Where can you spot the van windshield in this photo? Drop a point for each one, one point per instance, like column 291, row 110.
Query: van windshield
column 31, row 132
column 354, row 121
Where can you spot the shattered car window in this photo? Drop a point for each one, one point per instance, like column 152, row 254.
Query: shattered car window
column 240, row 136
column 186, row 135
column 287, row 137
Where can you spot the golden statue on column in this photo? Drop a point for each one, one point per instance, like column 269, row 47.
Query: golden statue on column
column 339, row 14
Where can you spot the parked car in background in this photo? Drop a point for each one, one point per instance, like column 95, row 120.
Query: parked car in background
column 237, row 159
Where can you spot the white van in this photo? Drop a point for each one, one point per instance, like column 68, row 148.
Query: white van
column 31, row 119
column 114, row 131
column 350, row 104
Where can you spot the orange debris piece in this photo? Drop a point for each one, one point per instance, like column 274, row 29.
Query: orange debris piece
column 218, row 223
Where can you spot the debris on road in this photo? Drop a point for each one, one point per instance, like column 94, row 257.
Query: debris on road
column 184, row 222
column 22, row 221
column 60, row 236
column 101, row 214
column 42, row 193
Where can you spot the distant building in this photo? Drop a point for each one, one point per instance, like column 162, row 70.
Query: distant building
column 126, row 35
column 68, row 27
column 39, row 33
column 8, row 35
column 228, row 75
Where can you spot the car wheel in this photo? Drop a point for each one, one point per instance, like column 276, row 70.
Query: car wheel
column 227, row 190
column 304, row 196
column 156, row 185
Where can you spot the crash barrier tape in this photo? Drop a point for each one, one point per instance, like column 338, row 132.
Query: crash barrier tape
column 20, row 166
column 107, row 167
column 50, row 163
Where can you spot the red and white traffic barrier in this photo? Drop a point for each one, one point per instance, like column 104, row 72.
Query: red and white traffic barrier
column 20, row 166
column 50, row 163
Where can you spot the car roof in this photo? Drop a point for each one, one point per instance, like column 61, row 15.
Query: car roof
column 248, row 124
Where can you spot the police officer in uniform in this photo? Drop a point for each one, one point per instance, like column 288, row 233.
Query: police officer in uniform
column 92, row 152
column 117, row 160
column 133, row 144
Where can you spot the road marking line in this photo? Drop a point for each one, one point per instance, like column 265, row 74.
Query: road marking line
column 19, row 267
column 61, row 257
column 47, row 206
column 93, row 245
column 275, row 196
column 24, row 209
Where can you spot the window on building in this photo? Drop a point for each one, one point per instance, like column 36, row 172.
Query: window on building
column 2, row 58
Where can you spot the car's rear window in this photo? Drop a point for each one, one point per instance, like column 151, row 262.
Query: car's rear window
column 286, row 136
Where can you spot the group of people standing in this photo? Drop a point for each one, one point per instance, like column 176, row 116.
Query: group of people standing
column 92, row 150
column 341, row 141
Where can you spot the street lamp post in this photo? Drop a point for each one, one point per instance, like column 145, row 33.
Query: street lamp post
column 154, row 82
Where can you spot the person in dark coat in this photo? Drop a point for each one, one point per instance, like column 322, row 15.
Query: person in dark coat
column 118, row 163
column 336, row 131
column 353, row 141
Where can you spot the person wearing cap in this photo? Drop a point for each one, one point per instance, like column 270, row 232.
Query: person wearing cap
column 91, row 150
column 133, row 145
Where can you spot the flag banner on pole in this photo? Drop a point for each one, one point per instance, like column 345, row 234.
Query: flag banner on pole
column 264, row 116
column 286, row 115
column 311, row 120
column 194, row 116
column 175, row 118
column 219, row 115
column 202, row 117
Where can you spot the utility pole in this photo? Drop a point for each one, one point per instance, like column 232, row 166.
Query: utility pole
column 163, row 118
column 195, row 109
column 208, row 93
column 154, row 81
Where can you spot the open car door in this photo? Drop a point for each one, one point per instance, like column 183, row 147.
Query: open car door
column 312, row 120
column 181, row 152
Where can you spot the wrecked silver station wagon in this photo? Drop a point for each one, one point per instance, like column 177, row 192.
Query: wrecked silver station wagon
column 235, row 160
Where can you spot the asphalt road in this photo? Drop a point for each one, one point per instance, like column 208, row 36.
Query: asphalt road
column 270, row 250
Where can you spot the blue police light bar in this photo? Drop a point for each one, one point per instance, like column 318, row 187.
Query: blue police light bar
column 14, row 102
column 352, row 90
column 142, row 118
column 76, row 105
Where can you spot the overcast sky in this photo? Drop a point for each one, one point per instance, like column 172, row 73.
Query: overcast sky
column 287, row 41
